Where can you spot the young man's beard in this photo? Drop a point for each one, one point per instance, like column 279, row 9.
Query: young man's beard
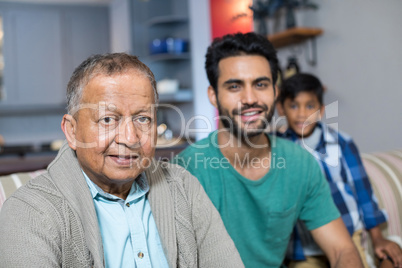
column 231, row 124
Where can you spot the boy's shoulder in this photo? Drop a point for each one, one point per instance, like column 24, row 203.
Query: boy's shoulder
column 337, row 134
column 288, row 149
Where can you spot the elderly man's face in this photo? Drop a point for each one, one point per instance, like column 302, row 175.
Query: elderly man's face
column 115, row 129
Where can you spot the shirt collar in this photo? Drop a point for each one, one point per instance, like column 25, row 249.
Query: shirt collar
column 290, row 134
column 139, row 188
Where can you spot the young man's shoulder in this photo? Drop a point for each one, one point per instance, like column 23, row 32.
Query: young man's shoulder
column 202, row 146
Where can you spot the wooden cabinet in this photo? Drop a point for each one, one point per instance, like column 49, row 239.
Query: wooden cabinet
column 33, row 57
column 42, row 46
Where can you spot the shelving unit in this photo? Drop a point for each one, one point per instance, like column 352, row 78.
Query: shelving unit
column 293, row 36
column 163, row 19
column 168, row 19
column 183, row 95
column 33, row 109
column 169, row 56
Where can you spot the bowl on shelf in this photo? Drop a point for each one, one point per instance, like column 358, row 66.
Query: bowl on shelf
column 169, row 45
column 158, row 46
column 167, row 86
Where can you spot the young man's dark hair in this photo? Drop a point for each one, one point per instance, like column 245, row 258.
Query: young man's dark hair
column 235, row 45
column 301, row 82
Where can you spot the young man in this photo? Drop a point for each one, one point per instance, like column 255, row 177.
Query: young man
column 301, row 101
column 260, row 184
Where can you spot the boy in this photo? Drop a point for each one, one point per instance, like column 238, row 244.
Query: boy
column 301, row 101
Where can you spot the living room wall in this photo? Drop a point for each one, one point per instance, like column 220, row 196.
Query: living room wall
column 360, row 62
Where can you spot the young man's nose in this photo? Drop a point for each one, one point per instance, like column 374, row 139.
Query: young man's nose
column 249, row 96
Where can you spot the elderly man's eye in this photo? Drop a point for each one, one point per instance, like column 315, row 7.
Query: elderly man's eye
column 107, row 120
column 143, row 120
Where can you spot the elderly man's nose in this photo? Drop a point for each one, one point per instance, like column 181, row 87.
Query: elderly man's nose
column 128, row 134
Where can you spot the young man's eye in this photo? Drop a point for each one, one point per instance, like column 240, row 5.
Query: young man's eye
column 261, row 85
column 233, row 86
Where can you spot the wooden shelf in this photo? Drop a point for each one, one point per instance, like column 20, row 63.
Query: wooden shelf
column 162, row 20
column 22, row 109
column 169, row 56
column 293, row 36
column 183, row 95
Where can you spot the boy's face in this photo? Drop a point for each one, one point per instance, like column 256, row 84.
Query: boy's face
column 303, row 113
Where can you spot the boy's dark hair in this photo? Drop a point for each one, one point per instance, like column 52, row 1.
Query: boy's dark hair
column 235, row 45
column 301, row 82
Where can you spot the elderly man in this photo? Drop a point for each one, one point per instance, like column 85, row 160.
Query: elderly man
column 104, row 201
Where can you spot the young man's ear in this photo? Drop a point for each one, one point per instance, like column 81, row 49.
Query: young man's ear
column 69, row 127
column 212, row 97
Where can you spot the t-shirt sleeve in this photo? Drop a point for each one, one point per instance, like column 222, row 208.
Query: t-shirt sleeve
column 318, row 208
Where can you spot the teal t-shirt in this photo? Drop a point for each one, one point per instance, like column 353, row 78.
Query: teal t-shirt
column 260, row 215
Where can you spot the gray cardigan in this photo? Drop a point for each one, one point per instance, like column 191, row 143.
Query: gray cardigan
column 51, row 221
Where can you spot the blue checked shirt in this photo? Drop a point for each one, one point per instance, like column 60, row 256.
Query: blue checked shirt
column 351, row 190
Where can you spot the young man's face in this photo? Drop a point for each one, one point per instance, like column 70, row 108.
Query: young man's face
column 246, row 95
column 303, row 113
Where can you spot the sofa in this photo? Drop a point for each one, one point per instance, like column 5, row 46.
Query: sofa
column 384, row 170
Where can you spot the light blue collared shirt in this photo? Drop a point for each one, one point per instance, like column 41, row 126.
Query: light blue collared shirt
column 129, row 234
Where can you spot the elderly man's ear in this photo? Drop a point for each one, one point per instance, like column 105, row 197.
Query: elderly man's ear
column 68, row 125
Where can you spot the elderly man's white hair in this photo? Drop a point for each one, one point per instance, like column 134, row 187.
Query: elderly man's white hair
column 103, row 64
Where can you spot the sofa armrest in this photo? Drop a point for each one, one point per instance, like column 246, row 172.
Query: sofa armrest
column 10, row 183
column 385, row 174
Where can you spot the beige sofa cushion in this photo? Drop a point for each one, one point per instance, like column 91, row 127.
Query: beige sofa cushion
column 385, row 173
column 10, row 183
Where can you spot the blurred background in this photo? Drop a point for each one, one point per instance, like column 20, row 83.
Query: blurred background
column 352, row 46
